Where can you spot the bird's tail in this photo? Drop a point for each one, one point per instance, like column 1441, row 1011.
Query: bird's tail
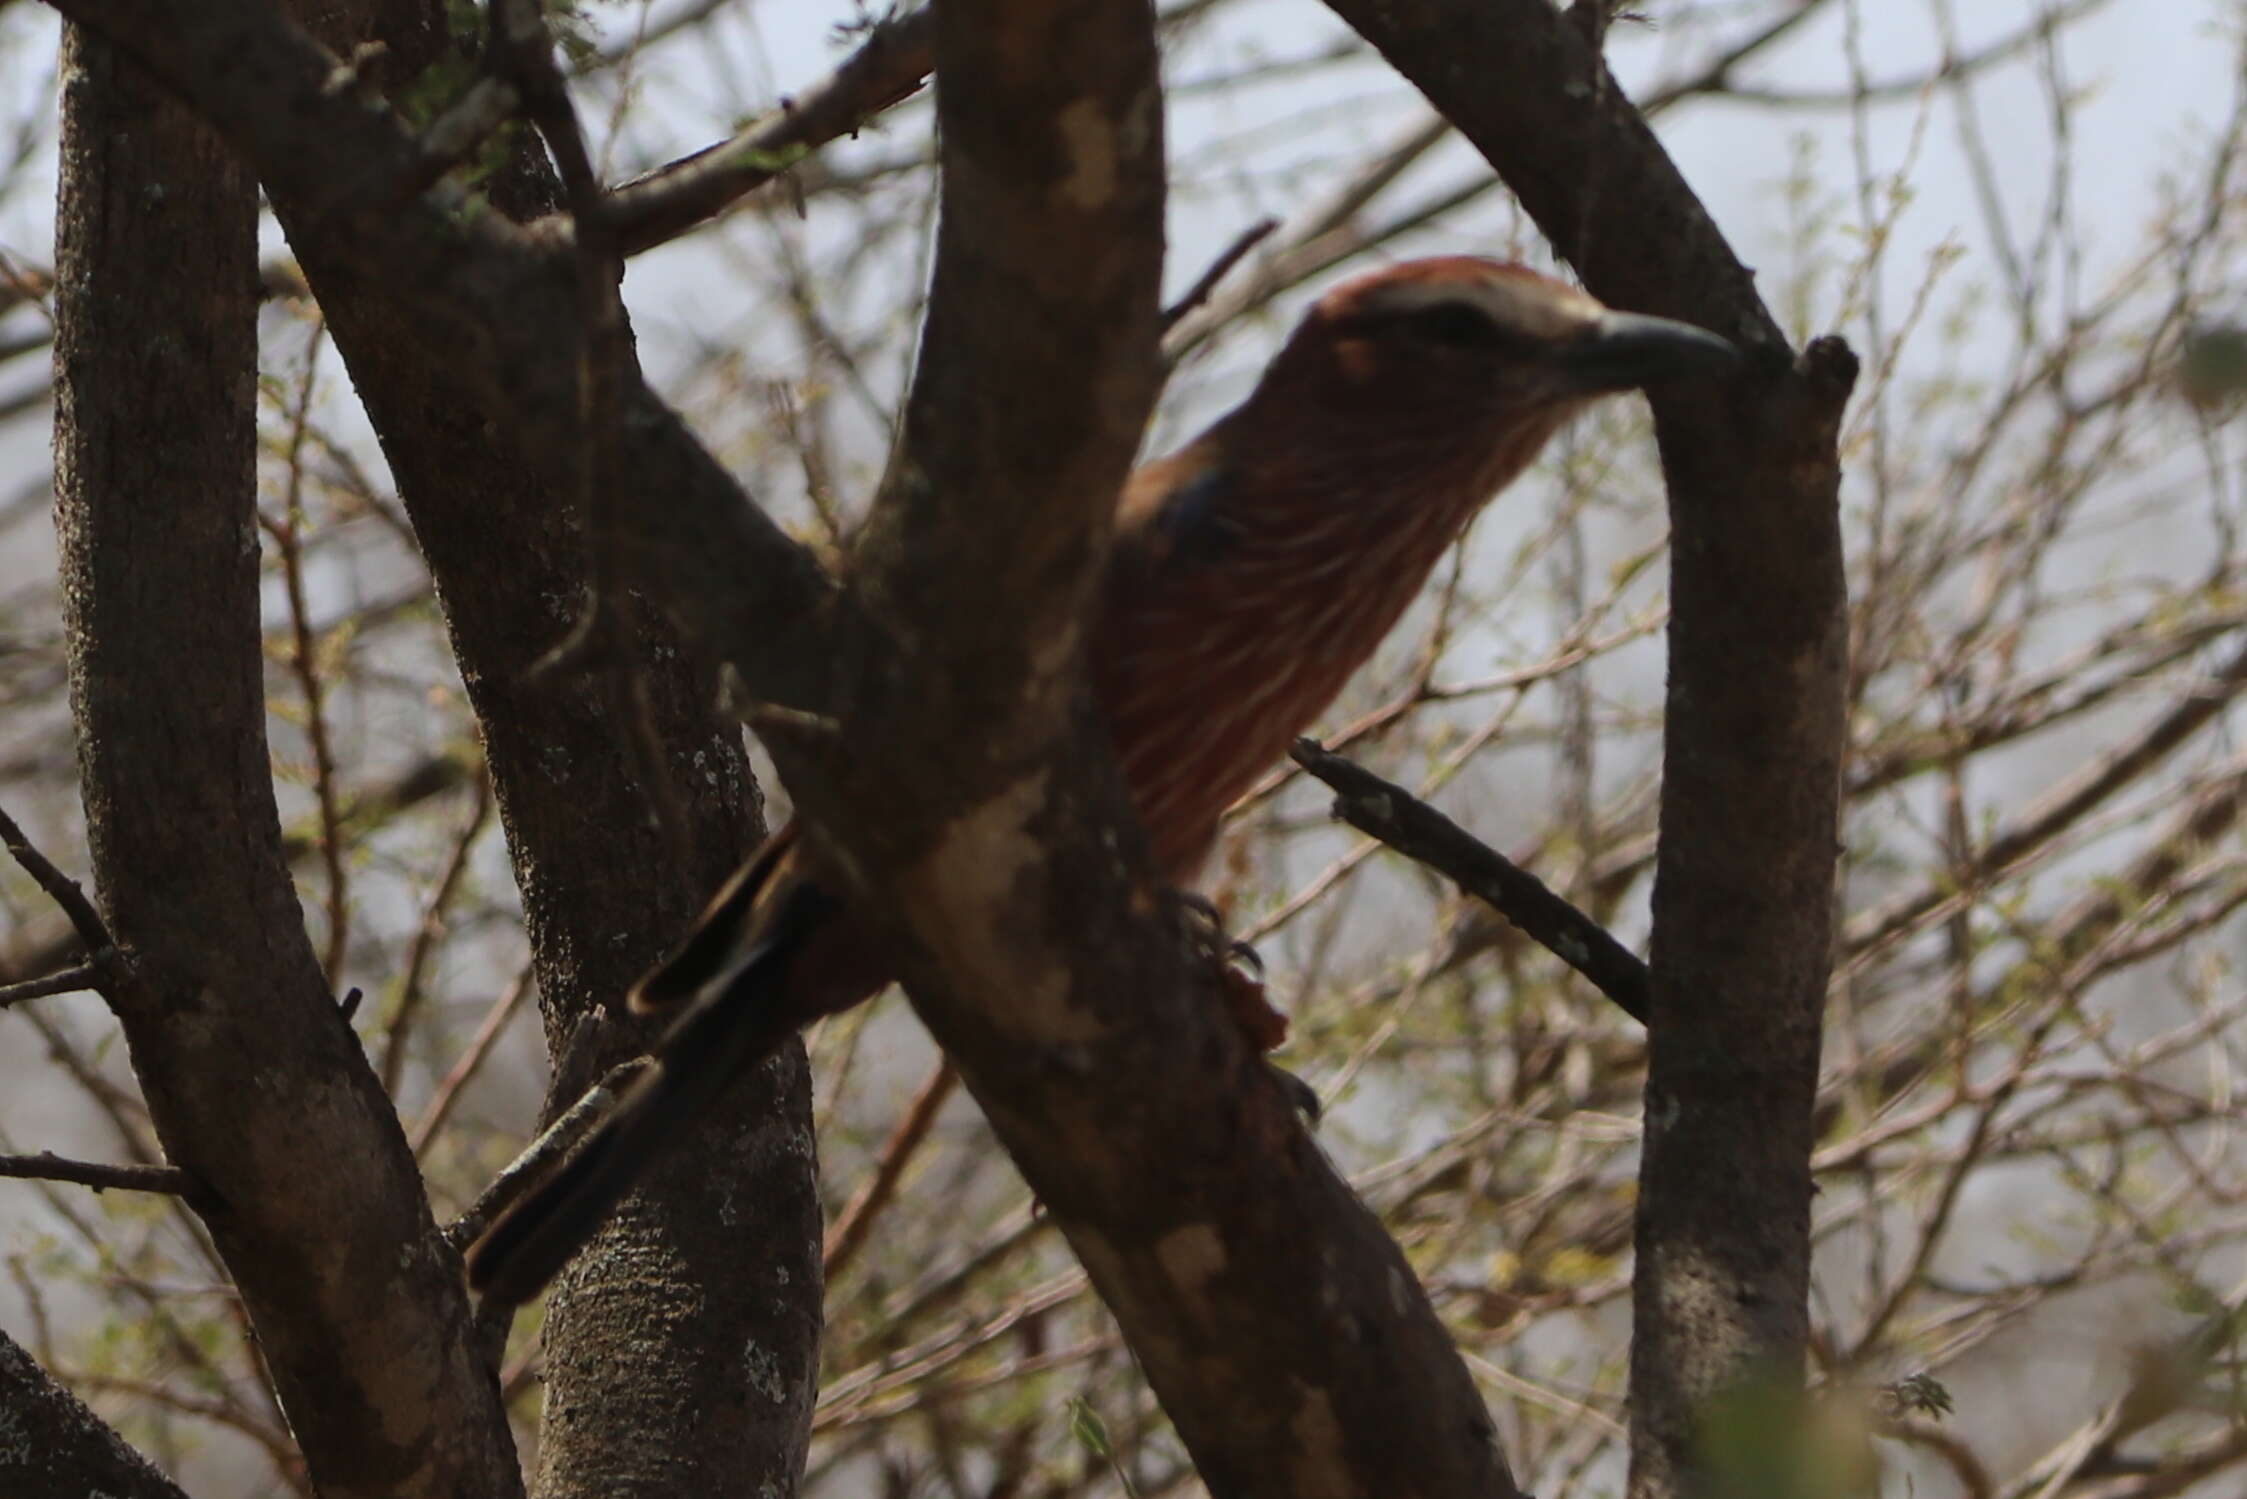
column 742, row 987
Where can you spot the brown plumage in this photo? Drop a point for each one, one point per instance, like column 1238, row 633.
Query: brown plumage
column 1252, row 572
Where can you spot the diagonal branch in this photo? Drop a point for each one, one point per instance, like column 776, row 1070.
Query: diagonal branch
column 888, row 67
column 490, row 303
column 56, row 1446
column 306, row 1185
column 1753, row 735
column 62, row 981
column 1284, row 1332
column 1418, row 831
column 60, row 887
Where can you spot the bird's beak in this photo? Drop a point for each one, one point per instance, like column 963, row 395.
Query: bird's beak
column 1623, row 350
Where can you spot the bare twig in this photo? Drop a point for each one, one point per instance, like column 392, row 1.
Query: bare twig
column 66, row 981
column 413, row 986
column 887, row 67
column 471, row 1061
column 1198, row 293
column 60, row 888
column 304, row 660
column 47, row 1166
column 856, row 1221
column 1418, row 831
column 2063, row 806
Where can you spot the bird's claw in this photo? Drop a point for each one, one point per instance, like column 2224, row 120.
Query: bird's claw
column 1299, row 1093
column 1240, row 972
column 1265, row 1027
column 1245, row 954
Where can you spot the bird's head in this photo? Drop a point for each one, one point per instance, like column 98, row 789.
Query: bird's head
column 1460, row 360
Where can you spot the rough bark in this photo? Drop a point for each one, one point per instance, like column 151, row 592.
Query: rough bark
column 1743, row 897
column 707, row 1285
column 475, row 447
column 53, row 1447
column 940, row 742
column 1287, row 1337
column 255, row 1084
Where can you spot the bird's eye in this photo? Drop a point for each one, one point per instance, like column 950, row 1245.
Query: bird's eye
column 1458, row 325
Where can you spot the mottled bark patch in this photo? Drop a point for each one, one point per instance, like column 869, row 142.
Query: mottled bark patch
column 966, row 901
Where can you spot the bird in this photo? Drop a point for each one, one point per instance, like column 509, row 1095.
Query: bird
column 1250, row 573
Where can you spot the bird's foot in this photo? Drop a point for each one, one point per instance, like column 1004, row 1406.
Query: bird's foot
column 1240, row 982
column 1264, row 1026
column 1301, row 1094
column 1240, row 972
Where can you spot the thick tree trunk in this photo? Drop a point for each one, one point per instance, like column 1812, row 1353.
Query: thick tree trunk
column 1754, row 730
column 255, row 1083
column 682, row 1348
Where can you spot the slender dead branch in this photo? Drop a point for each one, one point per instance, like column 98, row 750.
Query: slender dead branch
column 413, row 984
column 2062, row 807
column 64, row 981
column 888, row 66
column 856, row 1220
column 1198, row 293
column 288, row 536
column 1418, row 831
column 47, row 1166
column 471, row 1061
column 60, row 888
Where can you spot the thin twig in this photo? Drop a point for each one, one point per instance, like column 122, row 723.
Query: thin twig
column 60, row 888
column 67, row 981
column 471, row 1061
column 626, row 49
column 304, row 662
column 2060, row 808
column 856, row 1221
column 414, row 986
column 47, row 1166
column 1198, row 293
column 887, row 68
column 1421, row 833
column 279, row 1449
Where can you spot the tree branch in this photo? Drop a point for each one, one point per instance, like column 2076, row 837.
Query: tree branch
column 60, row 888
column 43, row 943
column 1418, row 831
column 56, row 1448
column 1247, row 240
column 1743, row 900
column 889, row 66
column 545, row 1149
column 856, row 1220
column 63, row 981
column 47, row 1166
column 464, row 335
column 1161, row 1146
column 308, row 1190
column 485, row 303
